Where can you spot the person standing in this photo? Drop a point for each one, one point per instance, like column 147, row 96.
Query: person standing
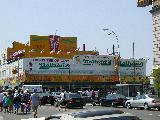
column 35, row 100
column 5, row 102
column 17, row 101
column 1, row 101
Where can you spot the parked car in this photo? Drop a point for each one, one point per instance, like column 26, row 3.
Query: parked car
column 47, row 98
column 87, row 98
column 56, row 94
column 144, row 101
column 95, row 115
column 71, row 100
column 113, row 100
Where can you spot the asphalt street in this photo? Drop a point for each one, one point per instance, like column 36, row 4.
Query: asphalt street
column 46, row 111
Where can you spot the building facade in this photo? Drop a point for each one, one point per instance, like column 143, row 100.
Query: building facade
column 55, row 61
column 156, row 33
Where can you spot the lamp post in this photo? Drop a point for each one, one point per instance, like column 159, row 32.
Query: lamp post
column 134, row 71
column 69, row 72
column 116, row 52
column 111, row 32
column 18, row 71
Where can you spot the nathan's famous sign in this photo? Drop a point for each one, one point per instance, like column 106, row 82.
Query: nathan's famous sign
column 84, row 65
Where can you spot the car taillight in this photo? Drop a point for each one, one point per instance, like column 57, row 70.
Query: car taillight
column 71, row 101
column 154, row 101
column 50, row 97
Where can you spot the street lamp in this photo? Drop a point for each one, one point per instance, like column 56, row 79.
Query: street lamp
column 18, row 70
column 69, row 72
column 111, row 32
column 115, row 53
column 134, row 71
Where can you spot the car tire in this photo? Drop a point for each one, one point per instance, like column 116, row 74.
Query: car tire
column 100, row 104
column 56, row 104
column 52, row 103
column 146, row 107
column 93, row 103
column 81, row 107
column 113, row 104
column 128, row 106
column 158, row 108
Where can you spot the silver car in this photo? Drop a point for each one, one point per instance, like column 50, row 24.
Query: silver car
column 144, row 101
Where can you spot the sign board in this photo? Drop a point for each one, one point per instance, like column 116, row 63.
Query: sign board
column 84, row 65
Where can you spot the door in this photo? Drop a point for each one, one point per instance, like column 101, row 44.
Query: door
column 136, row 100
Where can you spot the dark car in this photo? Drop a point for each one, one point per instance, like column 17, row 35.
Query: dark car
column 72, row 100
column 47, row 98
column 56, row 94
column 113, row 100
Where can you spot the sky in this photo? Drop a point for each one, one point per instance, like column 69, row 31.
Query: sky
column 84, row 19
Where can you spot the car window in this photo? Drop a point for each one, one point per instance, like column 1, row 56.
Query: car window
column 109, row 96
column 143, row 97
column 114, row 96
column 120, row 96
column 74, row 95
column 138, row 97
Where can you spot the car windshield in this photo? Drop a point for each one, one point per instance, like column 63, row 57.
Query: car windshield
column 109, row 96
column 120, row 96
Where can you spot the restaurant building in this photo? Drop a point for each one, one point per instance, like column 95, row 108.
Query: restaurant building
column 56, row 62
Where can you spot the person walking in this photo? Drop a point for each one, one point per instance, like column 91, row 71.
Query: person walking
column 17, row 101
column 35, row 101
column 5, row 102
column 1, row 101
column 62, row 101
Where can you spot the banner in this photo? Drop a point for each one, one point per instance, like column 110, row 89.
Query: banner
column 54, row 43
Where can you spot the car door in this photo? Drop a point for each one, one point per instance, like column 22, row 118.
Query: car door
column 135, row 102
column 108, row 99
column 142, row 100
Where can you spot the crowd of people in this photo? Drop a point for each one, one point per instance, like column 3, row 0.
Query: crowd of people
column 16, row 101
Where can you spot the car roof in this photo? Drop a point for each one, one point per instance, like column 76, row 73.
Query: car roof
column 92, row 113
column 104, row 114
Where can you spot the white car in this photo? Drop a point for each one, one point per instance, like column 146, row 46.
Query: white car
column 104, row 114
column 144, row 101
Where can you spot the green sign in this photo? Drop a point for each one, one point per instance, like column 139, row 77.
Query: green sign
column 54, row 65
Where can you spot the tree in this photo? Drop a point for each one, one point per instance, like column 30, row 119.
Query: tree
column 156, row 75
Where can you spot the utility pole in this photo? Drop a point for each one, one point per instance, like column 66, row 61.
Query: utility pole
column 69, row 71
column 113, row 50
column 18, row 71
column 134, row 70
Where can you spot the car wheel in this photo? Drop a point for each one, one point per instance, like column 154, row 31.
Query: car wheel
column 128, row 106
column 93, row 103
column 56, row 104
column 81, row 107
column 146, row 107
column 113, row 105
column 158, row 108
column 52, row 103
column 100, row 104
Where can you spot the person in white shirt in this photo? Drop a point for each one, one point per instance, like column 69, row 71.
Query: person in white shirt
column 35, row 100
